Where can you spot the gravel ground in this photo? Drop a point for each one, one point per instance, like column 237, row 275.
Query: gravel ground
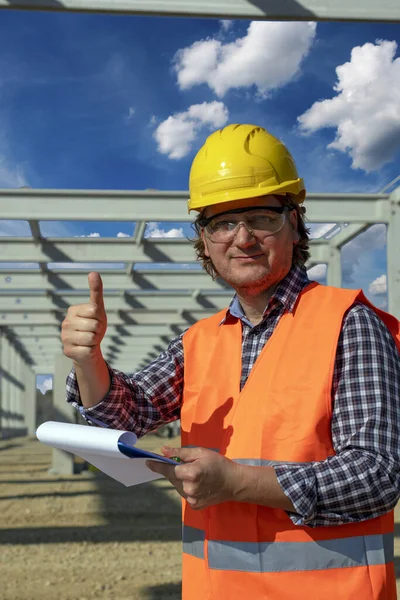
column 86, row 536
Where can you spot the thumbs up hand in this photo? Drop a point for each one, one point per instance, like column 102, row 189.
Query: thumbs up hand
column 85, row 325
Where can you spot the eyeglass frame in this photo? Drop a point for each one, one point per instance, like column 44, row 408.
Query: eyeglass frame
column 277, row 209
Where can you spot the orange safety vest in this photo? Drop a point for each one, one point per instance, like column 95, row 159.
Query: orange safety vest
column 283, row 414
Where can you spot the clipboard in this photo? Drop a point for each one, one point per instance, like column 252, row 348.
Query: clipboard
column 112, row 451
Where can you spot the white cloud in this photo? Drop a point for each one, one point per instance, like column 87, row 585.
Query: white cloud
column 130, row 114
column 317, row 272
column 120, row 234
column 366, row 109
column 379, row 286
column 176, row 134
column 45, row 385
column 268, row 57
column 11, row 176
column 90, row 235
column 226, row 25
column 153, row 230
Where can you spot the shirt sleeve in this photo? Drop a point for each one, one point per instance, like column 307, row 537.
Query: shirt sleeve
column 140, row 402
column 362, row 480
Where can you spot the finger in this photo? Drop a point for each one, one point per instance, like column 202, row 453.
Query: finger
column 83, row 338
column 184, row 454
column 96, row 289
column 87, row 325
column 162, row 468
column 82, row 324
column 85, row 311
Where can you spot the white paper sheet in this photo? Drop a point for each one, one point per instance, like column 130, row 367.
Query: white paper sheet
column 100, row 448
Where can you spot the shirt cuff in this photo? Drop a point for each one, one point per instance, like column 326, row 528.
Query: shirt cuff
column 299, row 484
column 102, row 408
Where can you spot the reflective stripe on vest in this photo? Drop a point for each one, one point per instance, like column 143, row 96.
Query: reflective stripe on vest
column 269, row 557
column 256, row 462
column 193, row 541
column 261, row 462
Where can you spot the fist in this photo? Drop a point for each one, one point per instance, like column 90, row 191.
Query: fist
column 85, row 325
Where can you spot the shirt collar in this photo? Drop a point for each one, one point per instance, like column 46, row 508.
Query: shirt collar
column 285, row 294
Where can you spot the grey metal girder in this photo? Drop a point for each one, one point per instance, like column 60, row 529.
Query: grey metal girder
column 65, row 250
column 68, row 279
column 321, row 10
column 126, row 332
column 393, row 255
column 145, row 298
column 99, row 205
column 348, row 233
column 129, row 304
column 138, row 318
column 31, row 345
column 118, row 250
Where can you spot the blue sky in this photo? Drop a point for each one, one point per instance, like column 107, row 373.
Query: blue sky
column 124, row 102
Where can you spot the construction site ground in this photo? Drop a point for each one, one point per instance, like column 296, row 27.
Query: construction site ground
column 86, row 536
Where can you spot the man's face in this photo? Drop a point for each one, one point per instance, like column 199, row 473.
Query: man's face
column 250, row 262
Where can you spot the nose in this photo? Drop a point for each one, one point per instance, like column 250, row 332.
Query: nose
column 244, row 235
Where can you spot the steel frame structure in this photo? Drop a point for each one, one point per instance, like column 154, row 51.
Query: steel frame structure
column 146, row 306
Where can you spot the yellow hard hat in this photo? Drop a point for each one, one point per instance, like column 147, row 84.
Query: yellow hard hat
column 242, row 161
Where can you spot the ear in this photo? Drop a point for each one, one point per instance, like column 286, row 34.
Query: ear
column 204, row 240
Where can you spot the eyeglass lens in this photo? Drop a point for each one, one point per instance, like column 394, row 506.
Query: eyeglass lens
column 261, row 224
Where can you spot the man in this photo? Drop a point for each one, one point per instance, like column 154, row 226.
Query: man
column 289, row 399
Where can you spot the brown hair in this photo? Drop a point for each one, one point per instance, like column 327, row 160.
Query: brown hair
column 301, row 252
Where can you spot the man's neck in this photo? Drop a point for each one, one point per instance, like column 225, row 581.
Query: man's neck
column 254, row 304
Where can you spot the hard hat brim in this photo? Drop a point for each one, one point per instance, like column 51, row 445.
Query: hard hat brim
column 295, row 188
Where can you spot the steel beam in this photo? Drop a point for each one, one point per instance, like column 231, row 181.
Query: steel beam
column 334, row 268
column 136, row 318
column 328, row 10
column 44, row 332
column 43, row 369
column 96, row 250
column 348, row 233
column 51, row 345
column 112, row 251
column 141, row 279
column 129, row 303
column 156, row 279
column 81, row 205
column 36, row 332
column 319, row 250
column 393, row 255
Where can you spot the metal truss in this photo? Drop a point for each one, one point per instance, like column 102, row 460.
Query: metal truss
column 306, row 10
column 146, row 306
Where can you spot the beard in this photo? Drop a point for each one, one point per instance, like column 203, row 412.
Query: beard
column 253, row 279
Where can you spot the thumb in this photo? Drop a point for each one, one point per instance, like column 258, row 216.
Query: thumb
column 96, row 289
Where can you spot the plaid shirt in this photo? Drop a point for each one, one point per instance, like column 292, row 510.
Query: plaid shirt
column 362, row 480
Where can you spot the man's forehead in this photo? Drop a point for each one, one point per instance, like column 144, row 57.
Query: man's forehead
column 237, row 204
